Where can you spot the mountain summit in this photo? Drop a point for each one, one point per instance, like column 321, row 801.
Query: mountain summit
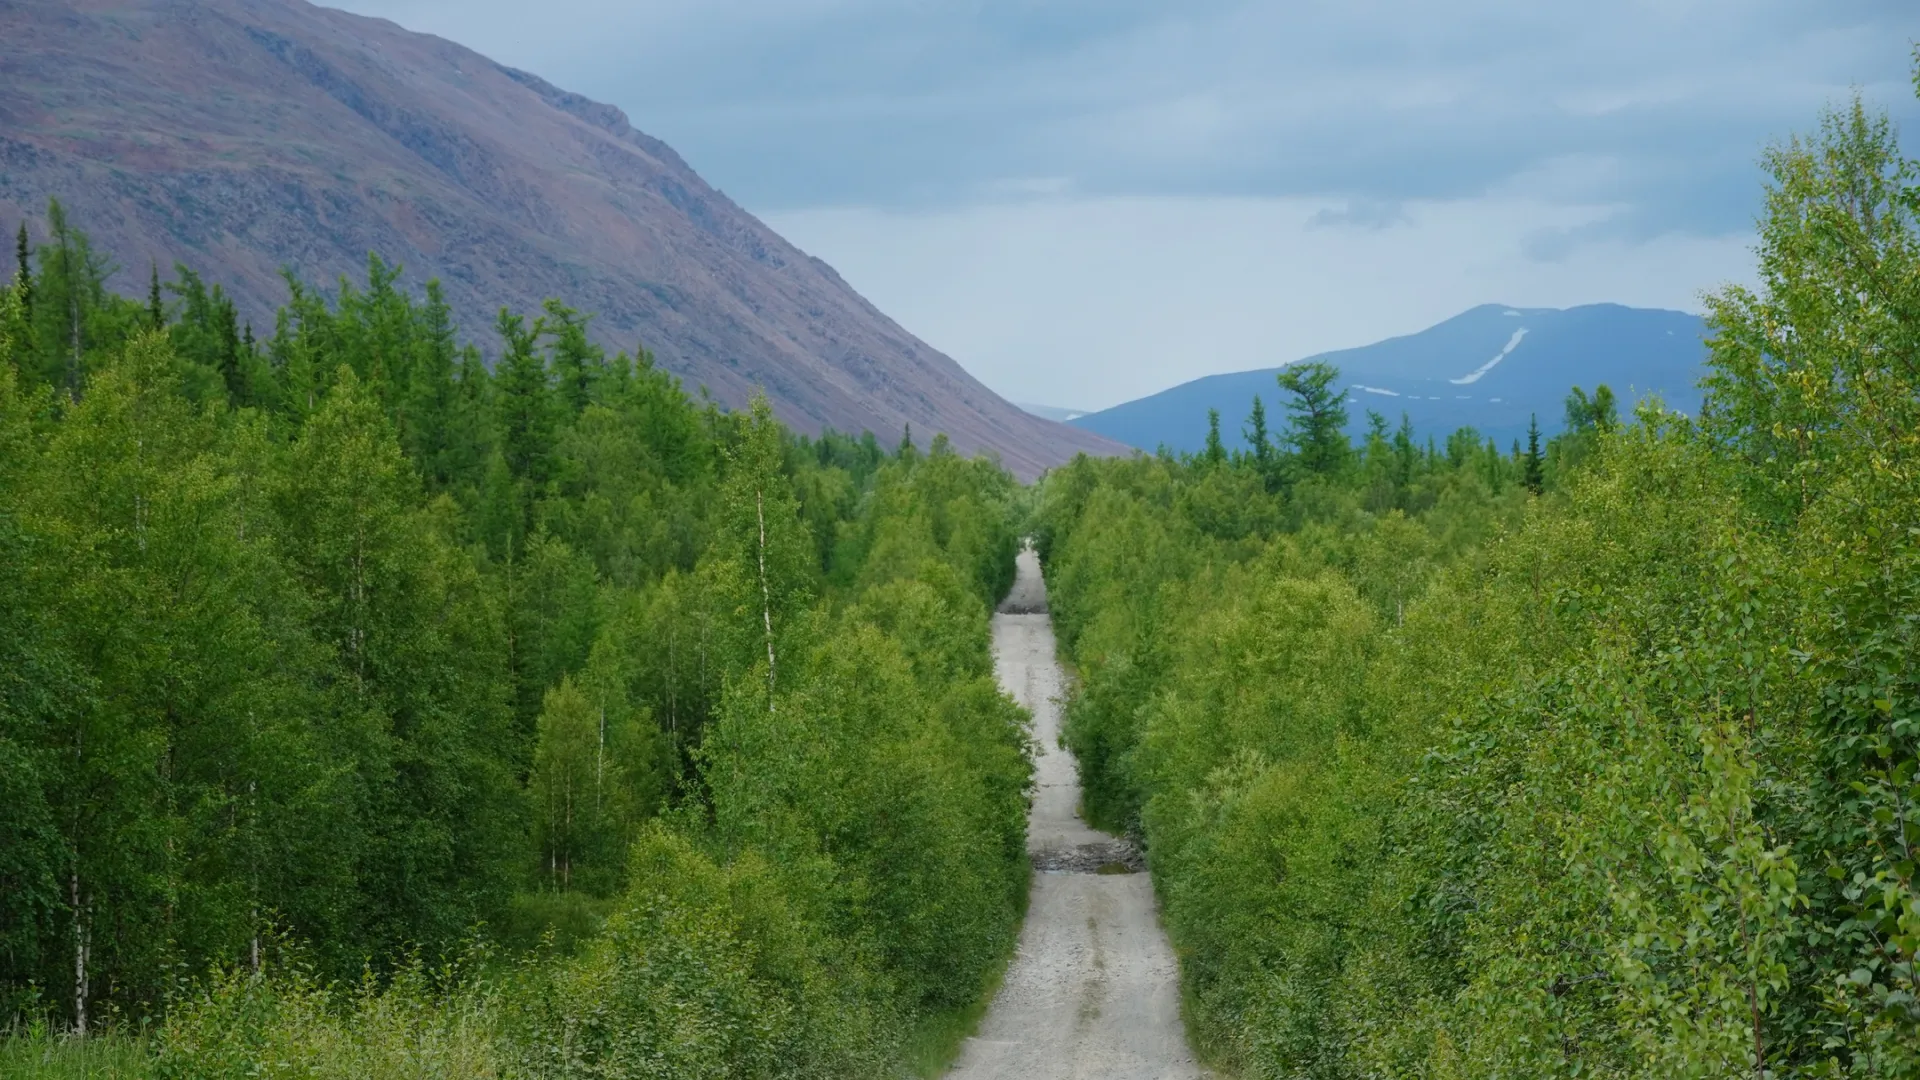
column 1491, row 368
column 243, row 136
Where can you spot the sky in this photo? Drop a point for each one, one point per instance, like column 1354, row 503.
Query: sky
column 1086, row 201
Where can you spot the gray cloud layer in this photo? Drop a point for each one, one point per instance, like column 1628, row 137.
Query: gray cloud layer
column 1658, row 106
column 1086, row 200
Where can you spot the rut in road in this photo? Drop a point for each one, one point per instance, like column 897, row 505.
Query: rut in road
column 1093, row 990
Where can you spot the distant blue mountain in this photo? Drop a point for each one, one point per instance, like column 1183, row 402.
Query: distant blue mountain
column 1489, row 368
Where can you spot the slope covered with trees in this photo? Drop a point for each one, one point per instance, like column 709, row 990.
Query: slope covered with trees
column 367, row 712
column 1596, row 761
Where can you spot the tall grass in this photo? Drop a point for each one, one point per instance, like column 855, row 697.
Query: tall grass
column 37, row 1054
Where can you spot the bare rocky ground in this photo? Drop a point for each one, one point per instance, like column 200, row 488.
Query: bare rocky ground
column 1093, row 991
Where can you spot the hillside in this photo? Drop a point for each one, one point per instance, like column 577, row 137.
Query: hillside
column 1490, row 368
column 243, row 136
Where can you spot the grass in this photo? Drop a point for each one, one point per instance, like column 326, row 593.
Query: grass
column 934, row 1043
column 33, row 1056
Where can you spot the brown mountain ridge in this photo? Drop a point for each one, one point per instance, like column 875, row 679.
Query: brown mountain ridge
column 243, row 136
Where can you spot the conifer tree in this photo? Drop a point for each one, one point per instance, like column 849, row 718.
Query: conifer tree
column 232, row 369
column 299, row 351
column 524, row 405
column 156, row 312
column 1533, row 473
column 23, row 269
column 470, row 436
column 1406, row 454
column 1317, row 416
column 431, row 430
column 1256, row 435
column 578, row 363
column 1216, row 454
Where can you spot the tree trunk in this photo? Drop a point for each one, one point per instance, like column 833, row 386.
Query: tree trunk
column 81, row 947
column 766, row 595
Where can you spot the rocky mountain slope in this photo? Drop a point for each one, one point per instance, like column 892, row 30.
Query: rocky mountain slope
column 243, row 136
column 1491, row 368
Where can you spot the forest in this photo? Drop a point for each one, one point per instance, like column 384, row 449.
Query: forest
column 1593, row 759
column 371, row 710
column 371, row 706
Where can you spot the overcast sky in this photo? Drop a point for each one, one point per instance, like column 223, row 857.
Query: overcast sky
column 1084, row 201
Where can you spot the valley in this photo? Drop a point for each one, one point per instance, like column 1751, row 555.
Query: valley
column 482, row 606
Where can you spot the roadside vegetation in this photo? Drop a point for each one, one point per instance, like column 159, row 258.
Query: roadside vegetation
column 370, row 711
column 1599, row 760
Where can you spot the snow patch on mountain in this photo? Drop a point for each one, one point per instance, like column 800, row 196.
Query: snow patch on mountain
column 1512, row 343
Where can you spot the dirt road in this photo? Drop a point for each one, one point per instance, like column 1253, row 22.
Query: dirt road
column 1093, row 991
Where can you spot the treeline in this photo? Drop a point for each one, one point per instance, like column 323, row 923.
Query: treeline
column 1441, row 777
column 573, row 725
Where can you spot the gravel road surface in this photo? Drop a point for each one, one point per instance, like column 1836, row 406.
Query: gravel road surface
column 1093, row 991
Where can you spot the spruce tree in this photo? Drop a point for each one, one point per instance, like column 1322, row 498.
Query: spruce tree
column 1406, row 453
column 524, row 397
column 1534, row 475
column 907, row 452
column 1216, row 453
column 232, row 373
column 156, row 312
column 577, row 362
column 1256, row 435
column 429, row 398
column 470, row 434
column 23, row 272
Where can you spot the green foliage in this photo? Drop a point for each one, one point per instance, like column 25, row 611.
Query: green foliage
column 1316, row 416
column 1534, row 474
column 47, row 1057
column 322, row 658
column 1438, row 780
column 706, row 971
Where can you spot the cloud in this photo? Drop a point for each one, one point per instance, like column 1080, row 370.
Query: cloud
column 1085, row 200
column 1361, row 214
column 905, row 103
column 1096, row 300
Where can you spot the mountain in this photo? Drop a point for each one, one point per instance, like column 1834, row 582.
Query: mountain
column 1490, row 368
column 241, row 136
